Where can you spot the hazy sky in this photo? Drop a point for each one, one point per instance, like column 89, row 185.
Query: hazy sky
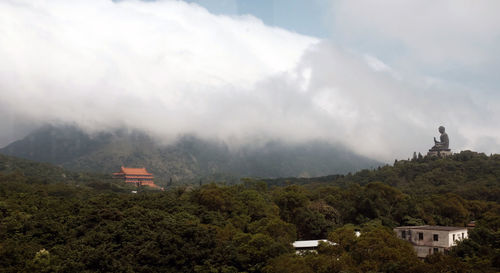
column 305, row 17
column 376, row 76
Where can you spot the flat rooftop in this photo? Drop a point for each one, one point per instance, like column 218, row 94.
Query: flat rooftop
column 309, row 243
column 426, row 227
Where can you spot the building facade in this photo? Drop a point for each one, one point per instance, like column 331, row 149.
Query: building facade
column 431, row 239
column 137, row 176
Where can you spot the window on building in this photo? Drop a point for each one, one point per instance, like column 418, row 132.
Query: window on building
column 436, row 250
column 403, row 234
column 420, row 235
column 436, row 237
column 453, row 237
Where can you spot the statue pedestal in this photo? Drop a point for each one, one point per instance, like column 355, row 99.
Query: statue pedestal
column 441, row 153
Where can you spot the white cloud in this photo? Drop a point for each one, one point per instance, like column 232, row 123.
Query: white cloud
column 455, row 31
column 171, row 68
column 87, row 59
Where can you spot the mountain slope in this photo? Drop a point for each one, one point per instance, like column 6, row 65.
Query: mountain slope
column 31, row 169
column 469, row 174
column 189, row 158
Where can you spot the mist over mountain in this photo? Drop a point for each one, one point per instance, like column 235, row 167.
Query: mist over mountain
column 189, row 158
column 174, row 67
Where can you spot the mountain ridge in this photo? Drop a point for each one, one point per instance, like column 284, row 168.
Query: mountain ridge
column 189, row 158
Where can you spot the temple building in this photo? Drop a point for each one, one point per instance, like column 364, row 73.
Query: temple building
column 138, row 176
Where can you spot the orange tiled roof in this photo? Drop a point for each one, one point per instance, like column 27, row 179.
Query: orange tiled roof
column 135, row 171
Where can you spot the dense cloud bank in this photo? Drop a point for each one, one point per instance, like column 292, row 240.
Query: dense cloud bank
column 172, row 68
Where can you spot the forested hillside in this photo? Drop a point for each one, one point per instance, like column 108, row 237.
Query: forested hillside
column 185, row 160
column 95, row 225
column 468, row 174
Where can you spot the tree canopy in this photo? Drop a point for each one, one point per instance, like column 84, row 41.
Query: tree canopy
column 52, row 220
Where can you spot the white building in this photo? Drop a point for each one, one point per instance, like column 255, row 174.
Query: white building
column 431, row 239
column 302, row 247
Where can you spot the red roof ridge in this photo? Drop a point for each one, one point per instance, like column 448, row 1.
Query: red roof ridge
column 136, row 171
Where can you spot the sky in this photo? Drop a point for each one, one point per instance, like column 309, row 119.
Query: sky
column 304, row 17
column 376, row 76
